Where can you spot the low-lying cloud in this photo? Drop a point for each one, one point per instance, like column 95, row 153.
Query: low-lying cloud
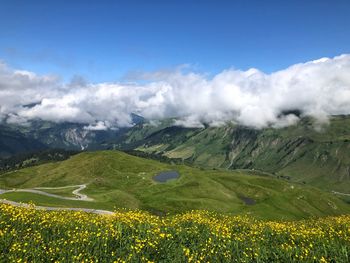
column 318, row 88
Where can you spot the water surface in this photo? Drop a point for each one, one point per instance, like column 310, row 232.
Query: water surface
column 165, row 176
column 247, row 200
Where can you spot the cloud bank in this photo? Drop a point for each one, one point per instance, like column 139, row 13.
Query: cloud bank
column 317, row 88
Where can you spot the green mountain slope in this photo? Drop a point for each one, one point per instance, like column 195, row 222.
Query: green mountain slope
column 317, row 155
column 116, row 179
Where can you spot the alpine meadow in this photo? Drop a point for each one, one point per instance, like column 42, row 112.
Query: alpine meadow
column 175, row 131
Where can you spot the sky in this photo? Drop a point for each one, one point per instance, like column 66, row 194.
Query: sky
column 255, row 63
column 107, row 41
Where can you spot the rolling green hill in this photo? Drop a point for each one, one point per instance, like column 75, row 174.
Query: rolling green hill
column 119, row 180
column 308, row 152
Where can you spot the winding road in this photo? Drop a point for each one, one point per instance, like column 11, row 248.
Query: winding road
column 37, row 190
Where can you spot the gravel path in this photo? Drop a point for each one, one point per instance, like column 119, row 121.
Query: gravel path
column 37, row 190
column 339, row 193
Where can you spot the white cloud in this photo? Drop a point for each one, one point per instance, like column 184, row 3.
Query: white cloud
column 100, row 125
column 318, row 88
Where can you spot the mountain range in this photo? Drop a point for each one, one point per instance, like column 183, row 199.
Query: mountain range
column 308, row 152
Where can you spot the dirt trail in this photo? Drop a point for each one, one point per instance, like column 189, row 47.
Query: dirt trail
column 339, row 193
column 37, row 190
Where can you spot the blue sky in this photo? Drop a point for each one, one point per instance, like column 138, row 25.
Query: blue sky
column 110, row 40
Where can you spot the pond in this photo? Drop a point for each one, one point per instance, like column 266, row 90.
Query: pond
column 247, row 200
column 165, row 176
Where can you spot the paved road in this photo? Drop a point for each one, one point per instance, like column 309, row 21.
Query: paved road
column 50, row 208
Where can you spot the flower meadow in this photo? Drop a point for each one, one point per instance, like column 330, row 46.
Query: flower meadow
column 30, row 235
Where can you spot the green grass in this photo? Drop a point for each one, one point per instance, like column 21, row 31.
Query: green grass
column 118, row 180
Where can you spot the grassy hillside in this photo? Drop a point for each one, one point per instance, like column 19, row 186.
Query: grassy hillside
column 117, row 180
column 308, row 152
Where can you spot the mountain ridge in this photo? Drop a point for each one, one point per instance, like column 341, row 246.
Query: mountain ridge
column 320, row 157
column 306, row 152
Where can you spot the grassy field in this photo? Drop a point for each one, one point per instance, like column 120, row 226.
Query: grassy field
column 29, row 235
column 117, row 180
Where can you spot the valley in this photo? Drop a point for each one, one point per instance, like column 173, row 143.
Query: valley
column 269, row 173
column 308, row 152
column 115, row 180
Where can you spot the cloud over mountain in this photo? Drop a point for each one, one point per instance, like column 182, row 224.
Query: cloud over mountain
column 318, row 88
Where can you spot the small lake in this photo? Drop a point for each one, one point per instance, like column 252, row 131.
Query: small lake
column 247, row 200
column 165, row 176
